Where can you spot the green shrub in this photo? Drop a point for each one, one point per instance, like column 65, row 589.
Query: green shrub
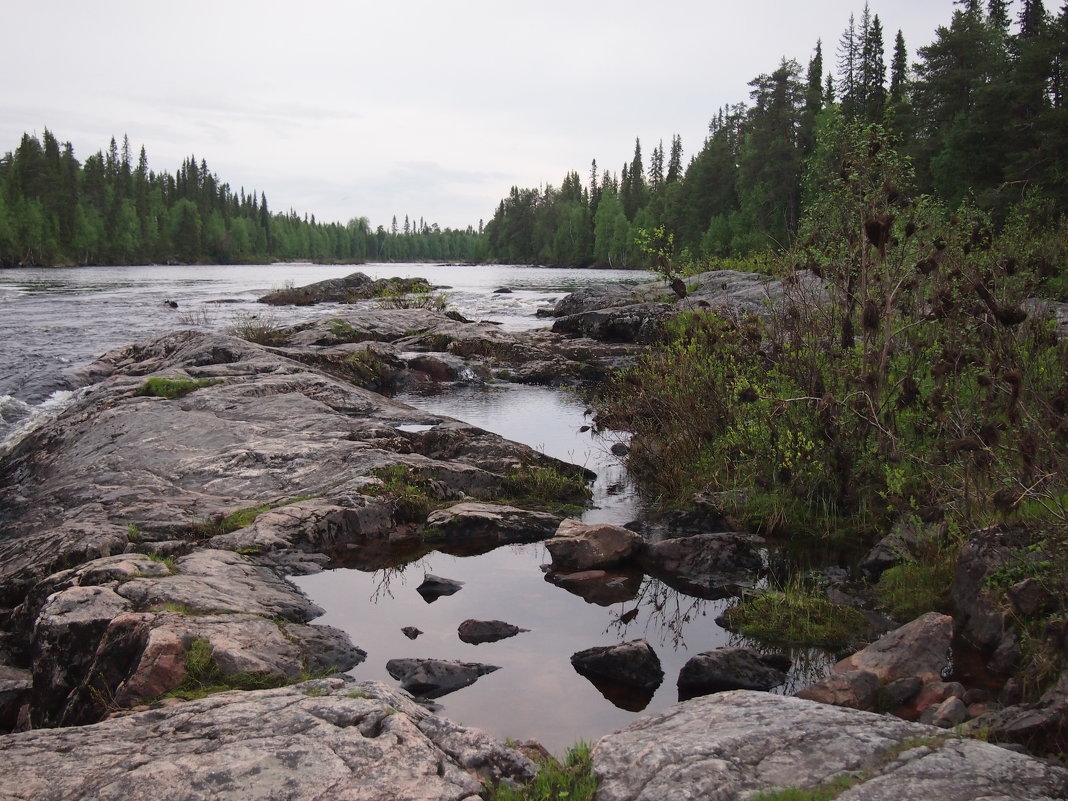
column 907, row 379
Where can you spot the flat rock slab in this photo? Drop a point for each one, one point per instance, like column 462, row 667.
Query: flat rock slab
column 736, row 744
column 323, row 739
column 503, row 524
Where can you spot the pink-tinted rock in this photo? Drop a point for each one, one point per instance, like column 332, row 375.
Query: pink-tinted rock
column 919, row 648
column 591, row 547
column 856, row 689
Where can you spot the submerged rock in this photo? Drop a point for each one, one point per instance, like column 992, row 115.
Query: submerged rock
column 731, row 669
column 433, row 678
column 476, row 632
column 601, row 587
column 738, row 744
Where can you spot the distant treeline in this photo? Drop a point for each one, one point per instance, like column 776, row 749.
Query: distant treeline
column 982, row 114
column 114, row 210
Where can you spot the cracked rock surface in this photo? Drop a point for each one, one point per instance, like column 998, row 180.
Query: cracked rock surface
column 322, row 739
column 735, row 744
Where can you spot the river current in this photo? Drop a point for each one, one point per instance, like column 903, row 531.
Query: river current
column 53, row 320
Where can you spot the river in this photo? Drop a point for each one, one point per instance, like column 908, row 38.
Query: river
column 53, row 320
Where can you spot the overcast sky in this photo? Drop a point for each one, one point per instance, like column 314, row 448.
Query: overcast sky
column 425, row 107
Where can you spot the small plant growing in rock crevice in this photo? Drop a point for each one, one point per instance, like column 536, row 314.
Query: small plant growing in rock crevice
column 261, row 329
column 204, row 678
column 571, row 779
column 406, row 489
column 172, row 388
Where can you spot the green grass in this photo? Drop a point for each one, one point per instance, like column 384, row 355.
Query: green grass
column 546, row 487
column 796, row 616
column 203, row 677
column 909, row 590
column 824, row 792
column 205, row 529
column 167, row 560
column 259, row 328
column 570, row 780
column 171, row 388
column 406, row 489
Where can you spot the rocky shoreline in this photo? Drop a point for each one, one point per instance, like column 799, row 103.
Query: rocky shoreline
column 139, row 527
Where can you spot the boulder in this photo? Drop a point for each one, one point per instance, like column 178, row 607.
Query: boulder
column 1040, row 725
column 588, row 547
column 856, row 689
column 947, row 714
column 731, row 669
column 919, row 649
column 638, row 323
column 411, row 632
column 15, row 686
column 364, row 742
column 627, row 674
column 981, row 612
column 740, row 744
column 433, row 678
column 709, row 566
column 476, row 632
column 905, row 541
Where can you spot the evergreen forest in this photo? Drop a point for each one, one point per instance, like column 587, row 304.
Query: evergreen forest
column 980, row 112
column 112, row 209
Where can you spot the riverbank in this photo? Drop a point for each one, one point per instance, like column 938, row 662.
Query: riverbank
column 261, row 465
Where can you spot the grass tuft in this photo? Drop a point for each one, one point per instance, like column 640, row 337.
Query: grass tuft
column 571, row 779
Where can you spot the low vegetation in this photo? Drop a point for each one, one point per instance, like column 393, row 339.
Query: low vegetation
column 407, row 490
column 796, row 615
column 547, row 487
column 224, row 524
column 413, row 297
column 172, row 388
column 571, row 779
column 899, row 375
column 204, row 678
column 262, row 329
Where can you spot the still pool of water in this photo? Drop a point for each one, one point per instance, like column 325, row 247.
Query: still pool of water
column 536, row 694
